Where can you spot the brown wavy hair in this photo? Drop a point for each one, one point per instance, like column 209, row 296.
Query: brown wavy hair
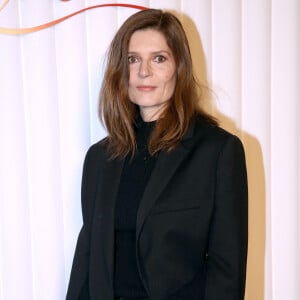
column 118, row 113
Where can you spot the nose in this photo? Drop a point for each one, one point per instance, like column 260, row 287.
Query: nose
column 145, row 69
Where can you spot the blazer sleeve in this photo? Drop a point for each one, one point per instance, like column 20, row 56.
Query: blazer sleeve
column 227, row 248
column 78, row 288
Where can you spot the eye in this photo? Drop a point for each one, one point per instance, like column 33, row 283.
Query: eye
column 132, row 59
column 159, row 59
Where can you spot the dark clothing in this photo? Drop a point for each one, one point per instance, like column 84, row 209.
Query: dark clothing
column 126, row 298
column 134, row 178
column 191, row 226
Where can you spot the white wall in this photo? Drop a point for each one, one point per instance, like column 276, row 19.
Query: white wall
column 247, row 51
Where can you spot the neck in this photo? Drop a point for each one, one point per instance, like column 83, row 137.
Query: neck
column 150, row 114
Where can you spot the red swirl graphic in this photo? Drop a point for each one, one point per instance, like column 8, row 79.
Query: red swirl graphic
column 19, row 31
column 3, row 4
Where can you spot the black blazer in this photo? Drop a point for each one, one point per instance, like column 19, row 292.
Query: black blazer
column 191, row 234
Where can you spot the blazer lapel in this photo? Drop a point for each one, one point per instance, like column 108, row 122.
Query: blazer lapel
column 165, row 167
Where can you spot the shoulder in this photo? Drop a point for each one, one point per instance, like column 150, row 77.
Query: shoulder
column 203, row 128
column 213, row 136
column 97, row 149
column 218, row 148
column 96, row 153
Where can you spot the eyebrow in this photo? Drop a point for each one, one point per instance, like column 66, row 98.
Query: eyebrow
column 154, row 52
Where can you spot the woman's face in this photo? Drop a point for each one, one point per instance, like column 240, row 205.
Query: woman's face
column 152, row 72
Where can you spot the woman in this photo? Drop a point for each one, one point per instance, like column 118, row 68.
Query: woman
column 164, row 196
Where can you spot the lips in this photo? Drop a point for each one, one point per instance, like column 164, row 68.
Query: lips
column 146, row 88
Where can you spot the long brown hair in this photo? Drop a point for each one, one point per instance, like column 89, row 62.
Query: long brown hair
column 118, row 113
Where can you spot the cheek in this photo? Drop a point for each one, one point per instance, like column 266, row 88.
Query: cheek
column 131, row 90
column 131, row 75
column 169, row 76
column 130, row 78
column 170, row 82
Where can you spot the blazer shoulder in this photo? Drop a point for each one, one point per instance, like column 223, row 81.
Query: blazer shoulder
column 203, row 127
column 214, row 136
column 97, row 150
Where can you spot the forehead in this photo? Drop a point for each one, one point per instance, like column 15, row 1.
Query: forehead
column 148, row 40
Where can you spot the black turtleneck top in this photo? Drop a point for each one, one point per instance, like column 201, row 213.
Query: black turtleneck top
column 134, row 178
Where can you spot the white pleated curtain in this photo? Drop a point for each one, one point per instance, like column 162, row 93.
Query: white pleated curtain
column 247, row 51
